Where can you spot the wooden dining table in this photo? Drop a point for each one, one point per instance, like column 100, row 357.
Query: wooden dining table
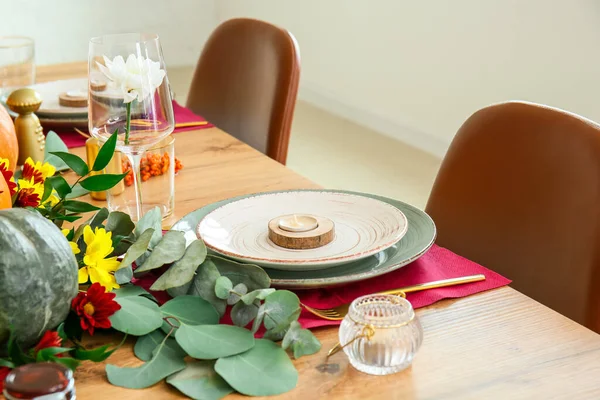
column 498, row 344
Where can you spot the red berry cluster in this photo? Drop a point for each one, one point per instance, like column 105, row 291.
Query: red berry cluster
column 151, row 165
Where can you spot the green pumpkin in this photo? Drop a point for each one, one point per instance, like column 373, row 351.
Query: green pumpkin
column 38, row 275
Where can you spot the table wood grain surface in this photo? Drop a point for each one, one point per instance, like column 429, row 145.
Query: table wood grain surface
column 498, row 344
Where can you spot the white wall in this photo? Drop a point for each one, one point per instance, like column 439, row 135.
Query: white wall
column 417, row 69
column 62, row 28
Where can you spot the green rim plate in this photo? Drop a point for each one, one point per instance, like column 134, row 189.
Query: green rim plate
column 418, row 239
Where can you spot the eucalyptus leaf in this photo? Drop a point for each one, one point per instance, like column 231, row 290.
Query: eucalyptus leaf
column 264, row 370
column 55, row 143
column 98, row 219
column 165, row 361
column 74, row 162
column 301, row 341
column 203, row 285
column 258, row 320
column 119, row 223
column 281, row 308
column 199, row 381
column 180, row 290
column 138, row 316
column 253, row 276
column 171, row 248
column 146, row 344
column 137, row 249
column 98, row 183
column 77, row 191
column 124, row 275
column 274, row 336
column 222, row 287
column 189, row 310
column 183, row 270
column 129, row 290
column 236, row 293
column 209, row 342
column 259, row 294
column 121, row 244
column 242, row 314
column 106, row 152
column 151, row 219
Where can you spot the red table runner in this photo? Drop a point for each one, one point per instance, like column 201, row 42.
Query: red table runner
column 438, row 263
column 182, row 115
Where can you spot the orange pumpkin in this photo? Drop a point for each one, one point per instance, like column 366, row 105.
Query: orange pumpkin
column 5, row 200
column 9, row 147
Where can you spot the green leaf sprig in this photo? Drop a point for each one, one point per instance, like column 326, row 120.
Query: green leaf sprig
column 67, row 209
column 226, row 358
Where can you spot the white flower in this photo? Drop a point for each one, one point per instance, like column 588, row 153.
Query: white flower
column 137, row 78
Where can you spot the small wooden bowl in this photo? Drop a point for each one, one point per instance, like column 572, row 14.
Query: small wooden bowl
column 318, row 237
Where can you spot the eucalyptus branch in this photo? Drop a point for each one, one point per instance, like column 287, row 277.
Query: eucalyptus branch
column 167, row 318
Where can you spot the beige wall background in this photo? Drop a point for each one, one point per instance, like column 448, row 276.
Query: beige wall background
column 62, row 28
column 413, row 70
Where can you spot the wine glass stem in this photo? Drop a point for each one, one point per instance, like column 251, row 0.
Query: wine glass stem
column 135, row 160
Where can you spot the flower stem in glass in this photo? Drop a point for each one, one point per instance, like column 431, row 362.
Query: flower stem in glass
column 135, row 160
column 128, row 123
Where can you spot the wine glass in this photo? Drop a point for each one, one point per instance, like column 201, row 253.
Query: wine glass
column 129, row 92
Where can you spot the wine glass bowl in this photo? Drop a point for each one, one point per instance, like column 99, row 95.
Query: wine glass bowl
column 129, row 93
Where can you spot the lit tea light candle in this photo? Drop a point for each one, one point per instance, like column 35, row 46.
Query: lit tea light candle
column 298, row 223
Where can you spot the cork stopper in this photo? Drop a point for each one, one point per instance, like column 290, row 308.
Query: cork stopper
column 23, row 101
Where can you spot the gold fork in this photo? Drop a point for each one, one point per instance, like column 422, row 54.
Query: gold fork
column 339, row 312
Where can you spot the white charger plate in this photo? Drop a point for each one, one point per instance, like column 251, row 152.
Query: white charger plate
column 363, row 227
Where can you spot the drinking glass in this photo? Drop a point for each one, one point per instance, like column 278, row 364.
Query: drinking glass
column 158, row 181
column 381, row 334
column 17, row 68
column 129, row 92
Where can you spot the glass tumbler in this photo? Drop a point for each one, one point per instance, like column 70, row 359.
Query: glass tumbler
column 381, row 334
column 17, row 67
column 158, row 181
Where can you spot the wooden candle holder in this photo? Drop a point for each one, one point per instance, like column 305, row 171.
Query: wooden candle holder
column 318, row 237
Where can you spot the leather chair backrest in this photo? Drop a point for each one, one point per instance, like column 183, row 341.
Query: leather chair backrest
column 519, row 192
column 246, row 83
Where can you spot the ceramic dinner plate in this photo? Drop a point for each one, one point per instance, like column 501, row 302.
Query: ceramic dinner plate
column 51, row 109
column 419, row 238
column 363, row 226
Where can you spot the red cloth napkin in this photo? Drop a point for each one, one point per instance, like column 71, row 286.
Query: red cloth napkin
column 182, row 115
column 438, row 263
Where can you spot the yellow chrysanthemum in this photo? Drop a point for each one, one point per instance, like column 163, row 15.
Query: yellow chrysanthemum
column 97, row 267
column 31, row 188
column 44, row 170
column 74, row 247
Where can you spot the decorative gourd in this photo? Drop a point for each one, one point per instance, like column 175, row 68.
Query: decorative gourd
column 38, row 275
column 5, row 199
column 9, row 147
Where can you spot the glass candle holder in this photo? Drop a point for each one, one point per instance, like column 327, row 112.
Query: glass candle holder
column 42, row 380
column 381, row 334
column 158, row 182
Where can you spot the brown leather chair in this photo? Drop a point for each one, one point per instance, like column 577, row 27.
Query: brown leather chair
column 246, row 83
column 519, row 192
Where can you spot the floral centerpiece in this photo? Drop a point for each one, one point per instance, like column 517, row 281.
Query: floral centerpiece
column 218, row 331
